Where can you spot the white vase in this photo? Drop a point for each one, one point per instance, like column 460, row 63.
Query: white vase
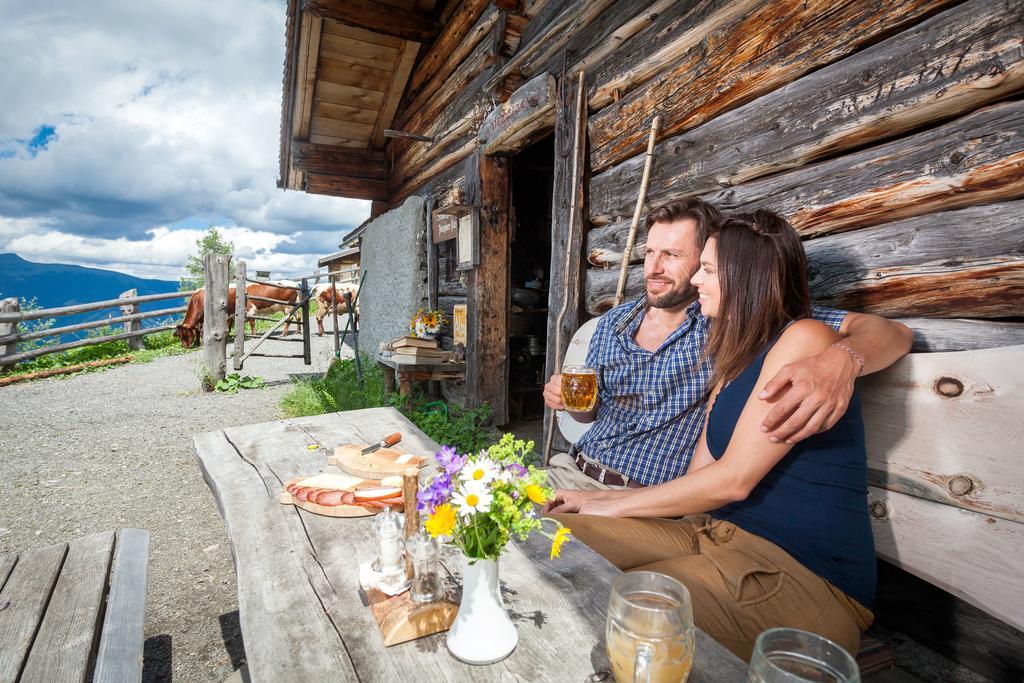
column 482, row 633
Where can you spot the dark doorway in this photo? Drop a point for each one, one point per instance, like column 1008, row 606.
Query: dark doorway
column 532, row 180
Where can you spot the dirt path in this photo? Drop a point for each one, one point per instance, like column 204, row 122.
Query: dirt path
column 113, row 450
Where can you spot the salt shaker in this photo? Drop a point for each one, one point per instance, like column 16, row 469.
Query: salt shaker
column 426, row 580
column 391, row 563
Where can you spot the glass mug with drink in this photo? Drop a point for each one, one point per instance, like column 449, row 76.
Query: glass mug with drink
column 789, row 655
column 650, row 629
column 579, row 388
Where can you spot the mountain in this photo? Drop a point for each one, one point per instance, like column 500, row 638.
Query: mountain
column 59, row 284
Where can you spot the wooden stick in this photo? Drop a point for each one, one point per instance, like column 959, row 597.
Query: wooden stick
column 410, row 485
column 240, row 321
column 581, row 118
column 52, row 372
column 620, row 291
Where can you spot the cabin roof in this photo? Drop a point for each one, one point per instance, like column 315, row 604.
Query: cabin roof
column 347, row 63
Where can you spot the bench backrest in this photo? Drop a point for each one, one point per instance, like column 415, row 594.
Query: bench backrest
column 945, row 441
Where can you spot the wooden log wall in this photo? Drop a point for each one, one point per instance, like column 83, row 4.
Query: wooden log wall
column 891, row 133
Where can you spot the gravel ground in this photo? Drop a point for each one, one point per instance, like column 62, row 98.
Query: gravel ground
column 113, row 449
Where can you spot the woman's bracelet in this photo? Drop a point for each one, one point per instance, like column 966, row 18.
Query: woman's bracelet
column 856, row 356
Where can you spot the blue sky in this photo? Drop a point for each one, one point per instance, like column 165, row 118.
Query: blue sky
column 128, row 129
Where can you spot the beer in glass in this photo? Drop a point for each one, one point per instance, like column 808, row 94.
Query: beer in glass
column 579, row 388
column 650, row 629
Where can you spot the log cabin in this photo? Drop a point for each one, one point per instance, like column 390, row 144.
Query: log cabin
column 890, row 133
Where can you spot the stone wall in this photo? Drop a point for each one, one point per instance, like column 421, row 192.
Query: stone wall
column 392, row 255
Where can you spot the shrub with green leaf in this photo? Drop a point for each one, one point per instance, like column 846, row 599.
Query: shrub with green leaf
column 233, row 382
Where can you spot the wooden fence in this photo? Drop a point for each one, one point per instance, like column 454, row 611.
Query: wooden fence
column 131, row 318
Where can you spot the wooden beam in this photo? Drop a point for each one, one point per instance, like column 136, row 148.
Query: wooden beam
column 393, row 95
column 511, row 126
column 948, row 65
column 346, row 186
column 757, row 52
column 567, row 237
column 331, row 160
column 487, row 324
column 306, row 74
column 455, row 31
column 926, row 266
column 404, row 23
column 937, row 335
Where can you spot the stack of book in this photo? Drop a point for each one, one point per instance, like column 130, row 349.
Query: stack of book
column 419, row 351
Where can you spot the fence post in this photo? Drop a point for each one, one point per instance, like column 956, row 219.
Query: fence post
column 10, row 348
column 334, row 315
column 215, row 316
column 306, row 355
column 240, row 306
column 134, row 343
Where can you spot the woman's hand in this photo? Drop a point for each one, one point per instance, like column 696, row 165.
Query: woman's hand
column 605, row 503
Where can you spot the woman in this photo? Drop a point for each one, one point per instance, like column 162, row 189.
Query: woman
column 788, row 540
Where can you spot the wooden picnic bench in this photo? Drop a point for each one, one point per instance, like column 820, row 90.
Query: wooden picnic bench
column 75, row 611
column 301, row 611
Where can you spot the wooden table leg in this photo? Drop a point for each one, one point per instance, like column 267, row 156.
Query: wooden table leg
column 405, row 388
column 389, row 378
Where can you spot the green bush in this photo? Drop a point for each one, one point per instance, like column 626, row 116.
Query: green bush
column 339, row 390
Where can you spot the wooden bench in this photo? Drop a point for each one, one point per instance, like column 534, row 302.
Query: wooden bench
column 75, row 611
column 945, row 442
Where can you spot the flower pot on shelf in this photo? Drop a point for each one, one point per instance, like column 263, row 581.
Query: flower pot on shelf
column 482, row 633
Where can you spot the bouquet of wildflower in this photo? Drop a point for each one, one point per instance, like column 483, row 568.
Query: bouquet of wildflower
column 427, row 322
column 481, row 500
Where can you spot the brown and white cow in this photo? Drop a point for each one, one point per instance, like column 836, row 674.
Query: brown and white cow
column 190, row 331
column 327, row 297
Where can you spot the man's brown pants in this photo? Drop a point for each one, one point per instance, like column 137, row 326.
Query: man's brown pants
column 741, row 584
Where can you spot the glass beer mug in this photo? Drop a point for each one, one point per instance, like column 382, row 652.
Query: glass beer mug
column 789, row 655
column 579, row 388
column 650, row 629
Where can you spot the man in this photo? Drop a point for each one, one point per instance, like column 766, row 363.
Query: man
column 653, row 374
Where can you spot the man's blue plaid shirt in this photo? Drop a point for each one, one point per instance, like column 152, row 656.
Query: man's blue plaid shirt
column 651, row 408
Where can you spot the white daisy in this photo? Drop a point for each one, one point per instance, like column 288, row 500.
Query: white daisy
column 471, row 498
column 479, row 470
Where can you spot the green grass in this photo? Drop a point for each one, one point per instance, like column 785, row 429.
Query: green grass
column 339, row 390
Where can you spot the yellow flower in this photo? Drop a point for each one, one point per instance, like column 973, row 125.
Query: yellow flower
column 536, row 493
column 561, row 536
column 441, row 522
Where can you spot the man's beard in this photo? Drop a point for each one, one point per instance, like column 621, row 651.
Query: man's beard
column 673, row 298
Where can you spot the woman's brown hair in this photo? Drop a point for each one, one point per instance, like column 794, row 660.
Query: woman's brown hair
column 762, row 274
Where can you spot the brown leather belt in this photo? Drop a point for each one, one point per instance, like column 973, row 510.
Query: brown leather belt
column 601, row 474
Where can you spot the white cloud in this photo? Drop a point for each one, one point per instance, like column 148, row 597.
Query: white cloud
column 163, row 110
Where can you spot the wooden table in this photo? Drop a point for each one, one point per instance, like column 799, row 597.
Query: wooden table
column 302, row 617
column 75, row 611
column 417, row 372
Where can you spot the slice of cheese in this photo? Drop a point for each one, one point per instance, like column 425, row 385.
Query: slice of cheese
column 378, row 493
column 393, row 481
column 404, row 458
column 341, row 482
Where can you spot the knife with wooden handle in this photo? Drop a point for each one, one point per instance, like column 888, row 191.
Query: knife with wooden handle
column 386, row 442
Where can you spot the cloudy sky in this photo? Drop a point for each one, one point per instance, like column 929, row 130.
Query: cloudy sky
column 128, row 128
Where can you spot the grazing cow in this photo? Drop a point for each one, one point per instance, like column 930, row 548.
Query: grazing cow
column 190, row 331
column 328, row 297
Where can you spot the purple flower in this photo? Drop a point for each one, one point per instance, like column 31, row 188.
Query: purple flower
column 436, row 493
column 517, row 469
column 450, row 460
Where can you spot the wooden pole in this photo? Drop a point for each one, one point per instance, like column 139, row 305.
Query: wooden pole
column 620, row 291
column 306, row 351
column 574, row 206
column 215, row 316
column 240, row 306
column 8, row 328
column 334, row 315
column 66, row 370
column 410, row 486
column 135, row 324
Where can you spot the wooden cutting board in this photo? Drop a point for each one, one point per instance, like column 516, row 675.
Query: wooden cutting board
column 329, row 510
column 383, row 462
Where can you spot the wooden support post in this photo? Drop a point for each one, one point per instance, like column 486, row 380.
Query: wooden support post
column 334, row 315
column 10, row 348
column 240, row 305
column 566, row 235
column 134, row 343
column 304, row 293
column 215, row 316
column 431, row 258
